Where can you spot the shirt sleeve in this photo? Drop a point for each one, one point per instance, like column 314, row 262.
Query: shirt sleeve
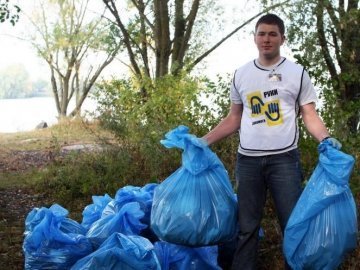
column 308, row 93
column 234, row 92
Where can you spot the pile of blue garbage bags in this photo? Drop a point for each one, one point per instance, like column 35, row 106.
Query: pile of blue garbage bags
column 113, row 234
column 180, row 223
column 176, row 224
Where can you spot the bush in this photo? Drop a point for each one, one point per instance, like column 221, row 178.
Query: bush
column 141, row 120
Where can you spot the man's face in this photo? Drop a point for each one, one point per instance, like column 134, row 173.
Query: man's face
column 268, row 40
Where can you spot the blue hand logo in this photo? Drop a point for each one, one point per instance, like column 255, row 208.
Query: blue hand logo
column 271, row 110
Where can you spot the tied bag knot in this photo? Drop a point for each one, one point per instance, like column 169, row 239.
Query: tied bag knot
column 196, row 156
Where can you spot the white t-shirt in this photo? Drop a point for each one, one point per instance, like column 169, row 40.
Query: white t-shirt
column 271, row 97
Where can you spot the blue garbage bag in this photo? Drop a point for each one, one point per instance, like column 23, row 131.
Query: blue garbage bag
column 92, row 212
column 323, row 225
column 195, row 205
column 119, row 251
column 126, row 221
column 142, row 195
column 172, row 256
column 53, row 241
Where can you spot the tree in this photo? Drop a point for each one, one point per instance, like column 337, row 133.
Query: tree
column 15, row 82
column 338, row 31
column 162, row 30
column 40, row 87
column 67, row 36
column 325, row 36
column 9, row 12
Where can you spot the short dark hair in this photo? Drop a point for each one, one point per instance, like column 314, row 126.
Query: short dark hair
column 271, row 19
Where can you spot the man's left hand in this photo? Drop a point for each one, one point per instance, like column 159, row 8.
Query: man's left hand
column 334, row 142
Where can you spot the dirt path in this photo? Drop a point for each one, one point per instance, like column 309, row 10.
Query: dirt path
column 18, row 161
column 16, row 203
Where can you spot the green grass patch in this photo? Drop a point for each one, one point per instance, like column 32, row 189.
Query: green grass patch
column 17, row 179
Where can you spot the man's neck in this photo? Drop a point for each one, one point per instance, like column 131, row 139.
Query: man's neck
column 265, row 62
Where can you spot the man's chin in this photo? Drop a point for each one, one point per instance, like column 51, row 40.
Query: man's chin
column 270, row 56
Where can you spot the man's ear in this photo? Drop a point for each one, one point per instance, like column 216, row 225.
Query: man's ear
column 283, row 38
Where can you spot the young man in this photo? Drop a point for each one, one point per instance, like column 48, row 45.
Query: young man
column 266, row 96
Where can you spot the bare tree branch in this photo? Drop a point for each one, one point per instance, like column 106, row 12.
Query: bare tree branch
column 110, row 4
column 141, row 7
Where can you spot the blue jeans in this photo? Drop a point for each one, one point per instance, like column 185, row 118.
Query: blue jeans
column 280, row 174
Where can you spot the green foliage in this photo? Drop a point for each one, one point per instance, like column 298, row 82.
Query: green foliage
column 169, row 102
column 80, row 175
column 141, row 122
column 217, row 94
column 9, row 12
column 312, row 22
column 308, row 152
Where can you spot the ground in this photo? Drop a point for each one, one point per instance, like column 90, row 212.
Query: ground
column 16, row 203
column 24, row 151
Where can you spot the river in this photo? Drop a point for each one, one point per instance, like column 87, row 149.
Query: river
column 25, row 114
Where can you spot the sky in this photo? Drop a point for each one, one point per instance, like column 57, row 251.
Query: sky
column 234, row 52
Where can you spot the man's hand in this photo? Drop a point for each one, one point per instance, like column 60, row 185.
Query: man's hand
column 203, row 142
column 334, row 142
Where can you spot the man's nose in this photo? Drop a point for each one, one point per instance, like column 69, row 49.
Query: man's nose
column 266, row 37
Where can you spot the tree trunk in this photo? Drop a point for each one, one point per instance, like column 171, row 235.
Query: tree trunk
column 162, row 37
column 346, row 42
column 183, row 30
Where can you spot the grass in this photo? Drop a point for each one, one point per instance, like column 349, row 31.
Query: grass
column 65, row 133
column 22, row 154
column 11, row 180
